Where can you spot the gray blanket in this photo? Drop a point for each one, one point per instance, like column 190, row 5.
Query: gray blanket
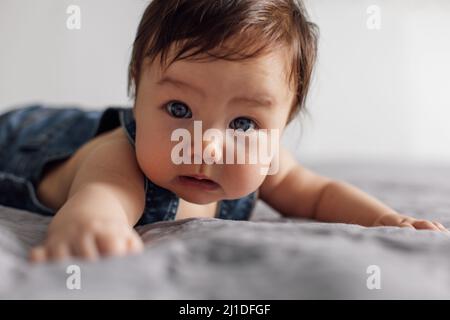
column 269, row 257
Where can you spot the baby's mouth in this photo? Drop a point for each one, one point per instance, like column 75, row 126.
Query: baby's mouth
column 197, row 181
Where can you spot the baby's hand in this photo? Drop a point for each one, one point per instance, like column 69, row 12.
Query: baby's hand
column 89, row 240
column 400, row 220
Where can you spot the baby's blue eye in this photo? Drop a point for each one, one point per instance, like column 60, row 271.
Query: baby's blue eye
column 243, row 124
column 178, row 110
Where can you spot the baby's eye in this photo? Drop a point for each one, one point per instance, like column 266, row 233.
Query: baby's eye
column 243, row 124
column 178, row 110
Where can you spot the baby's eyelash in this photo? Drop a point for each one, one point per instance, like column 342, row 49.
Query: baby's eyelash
column 258, row 126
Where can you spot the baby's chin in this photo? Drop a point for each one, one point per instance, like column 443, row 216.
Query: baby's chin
column 202, row 198
column 197, row 197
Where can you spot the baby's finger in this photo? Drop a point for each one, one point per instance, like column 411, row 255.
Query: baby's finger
column 440, row 226
column 135, row 243
column 406, row 225
column 38, row 254
column 110, row 245
column 87, row 247
column 425, row 225
column 58, row 251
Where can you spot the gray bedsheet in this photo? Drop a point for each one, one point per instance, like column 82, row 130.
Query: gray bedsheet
column 268, row 257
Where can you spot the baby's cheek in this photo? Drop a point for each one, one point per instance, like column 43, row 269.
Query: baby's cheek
column 242, row 179
column 153, row 156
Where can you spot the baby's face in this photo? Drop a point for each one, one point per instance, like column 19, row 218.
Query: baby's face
column 162, row 107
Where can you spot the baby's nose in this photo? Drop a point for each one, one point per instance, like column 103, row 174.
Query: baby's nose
column 210, row 152
column 213, row 151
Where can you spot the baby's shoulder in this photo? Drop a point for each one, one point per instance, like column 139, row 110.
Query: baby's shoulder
column 110, row 160
column 110, row 151
column 109, row 154
column 115, row 140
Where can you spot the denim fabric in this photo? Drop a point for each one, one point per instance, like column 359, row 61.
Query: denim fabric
column 35, row 136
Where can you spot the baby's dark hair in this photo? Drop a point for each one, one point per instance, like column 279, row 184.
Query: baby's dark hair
column 204, row 26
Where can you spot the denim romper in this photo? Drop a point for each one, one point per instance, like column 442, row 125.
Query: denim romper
column 34, row 136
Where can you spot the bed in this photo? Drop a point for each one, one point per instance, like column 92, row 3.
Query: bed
column 268, row 257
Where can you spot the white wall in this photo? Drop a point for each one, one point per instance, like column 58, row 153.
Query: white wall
column 42, row 60
column 381, row 95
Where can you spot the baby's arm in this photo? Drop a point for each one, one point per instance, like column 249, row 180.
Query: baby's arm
column 105, row 201
column 297, row 191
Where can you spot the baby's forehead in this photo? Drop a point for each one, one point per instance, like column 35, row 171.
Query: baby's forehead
column 255, row 71
column 279, row 55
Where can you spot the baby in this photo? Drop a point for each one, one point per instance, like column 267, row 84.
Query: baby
column 241, row 65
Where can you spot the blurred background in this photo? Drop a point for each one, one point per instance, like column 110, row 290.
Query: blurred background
column 381, row 91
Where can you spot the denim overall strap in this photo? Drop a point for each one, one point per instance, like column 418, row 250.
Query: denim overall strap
column 238, row 209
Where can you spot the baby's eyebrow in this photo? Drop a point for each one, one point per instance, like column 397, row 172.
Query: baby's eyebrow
column 261, row 100
column 179, row 83
column 265, row 102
